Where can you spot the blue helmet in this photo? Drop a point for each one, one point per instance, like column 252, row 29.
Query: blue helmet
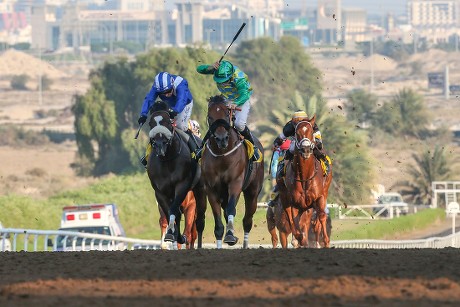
column 163, row 82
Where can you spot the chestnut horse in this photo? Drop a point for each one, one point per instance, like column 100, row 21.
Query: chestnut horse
column 304, row 185
column 188, row 207
column 277, row 219
column 173, row 173
column 227, row 172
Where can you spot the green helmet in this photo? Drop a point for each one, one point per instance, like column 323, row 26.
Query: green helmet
column 224, row 72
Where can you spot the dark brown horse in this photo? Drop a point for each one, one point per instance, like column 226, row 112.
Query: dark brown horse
column 188, row 207
column 173, row 173
column 227, row 172
column 304, row 185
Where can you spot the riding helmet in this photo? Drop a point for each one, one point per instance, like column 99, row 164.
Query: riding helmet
column 163, row 82
column 224, row 72
column 300, row 115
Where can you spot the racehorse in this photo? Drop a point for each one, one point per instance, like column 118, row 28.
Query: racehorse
column 173, row 173
column 228, row 171
column 188, row 207
column 278, row 219
column 304, row 185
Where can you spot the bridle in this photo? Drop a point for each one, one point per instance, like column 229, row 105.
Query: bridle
column 166, row 133
column 299, row 144
column 226, row 124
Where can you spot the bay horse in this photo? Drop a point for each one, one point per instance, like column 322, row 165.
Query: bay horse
column 173, row 173
column 304, row 186
column 188, row 207
column 227, row 171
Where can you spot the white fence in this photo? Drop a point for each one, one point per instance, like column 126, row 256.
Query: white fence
column 55, row 240
column 47, row 240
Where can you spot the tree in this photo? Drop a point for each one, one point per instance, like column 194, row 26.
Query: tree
column 404, row 114
column 353, row 171
column 96, row 128
column 360, row 105
column 277, row 71
column 429, row 166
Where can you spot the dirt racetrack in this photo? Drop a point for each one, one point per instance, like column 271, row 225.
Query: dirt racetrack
column 232, row 278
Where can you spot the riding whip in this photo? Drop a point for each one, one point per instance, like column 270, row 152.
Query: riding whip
column 270, row 165
column 138, row 130
column 234, row 39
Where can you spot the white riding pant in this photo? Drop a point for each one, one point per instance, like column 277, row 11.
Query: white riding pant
column 241, row 117
column 183, row 117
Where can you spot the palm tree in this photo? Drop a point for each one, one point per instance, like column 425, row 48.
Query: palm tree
column 429, row 166
column 405, row 114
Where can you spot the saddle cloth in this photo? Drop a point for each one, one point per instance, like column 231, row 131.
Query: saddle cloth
column 250, row 151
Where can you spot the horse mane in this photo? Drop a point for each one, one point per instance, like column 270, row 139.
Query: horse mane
column 159, row 105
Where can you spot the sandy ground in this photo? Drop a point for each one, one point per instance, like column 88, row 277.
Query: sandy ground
column 258, row 277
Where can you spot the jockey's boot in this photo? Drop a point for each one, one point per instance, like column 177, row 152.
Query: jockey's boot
column 321, row 156
column 144, row 161
column 248, row 136
column 193, row 145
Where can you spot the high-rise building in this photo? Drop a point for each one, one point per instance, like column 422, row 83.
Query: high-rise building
column 434, row 20
column 328, row 20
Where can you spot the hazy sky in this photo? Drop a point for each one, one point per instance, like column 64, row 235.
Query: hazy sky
column 372, row 6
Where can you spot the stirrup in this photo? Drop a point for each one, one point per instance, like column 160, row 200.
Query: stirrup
column 256, row 155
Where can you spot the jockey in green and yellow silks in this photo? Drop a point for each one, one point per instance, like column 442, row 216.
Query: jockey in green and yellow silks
column 234, row 85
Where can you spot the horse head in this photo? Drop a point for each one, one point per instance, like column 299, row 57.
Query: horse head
column 219, row 121
column 304, row 139
column 161, row 128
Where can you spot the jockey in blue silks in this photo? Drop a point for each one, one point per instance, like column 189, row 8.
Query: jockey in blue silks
column 173, row 90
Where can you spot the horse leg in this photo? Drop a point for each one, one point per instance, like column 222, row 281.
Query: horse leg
column 284, row 227
column 271, row 225
column 188, row 207
column 173, row 231
column 322, row 216
column 217, row 213
column 305, row 223
column 317, row 229
column 200, row 199
column 230, row 213
column 163, row 224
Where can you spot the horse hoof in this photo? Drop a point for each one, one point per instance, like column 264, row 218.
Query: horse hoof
column 169, row 237
column 182, row 239
column 230, row 239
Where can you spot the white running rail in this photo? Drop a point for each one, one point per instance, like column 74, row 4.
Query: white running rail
column 38, row 240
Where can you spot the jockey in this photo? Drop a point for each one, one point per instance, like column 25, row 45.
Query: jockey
column 278, row 156
column 234, row 85
column 289, row 130
column 173, row 90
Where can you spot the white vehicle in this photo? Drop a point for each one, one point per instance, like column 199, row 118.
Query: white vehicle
column 5, row 243
column 99, row 219
column 393, row 200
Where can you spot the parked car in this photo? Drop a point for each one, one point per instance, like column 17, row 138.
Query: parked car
column 99, row 219
column 5, row 243
column 391, row 200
